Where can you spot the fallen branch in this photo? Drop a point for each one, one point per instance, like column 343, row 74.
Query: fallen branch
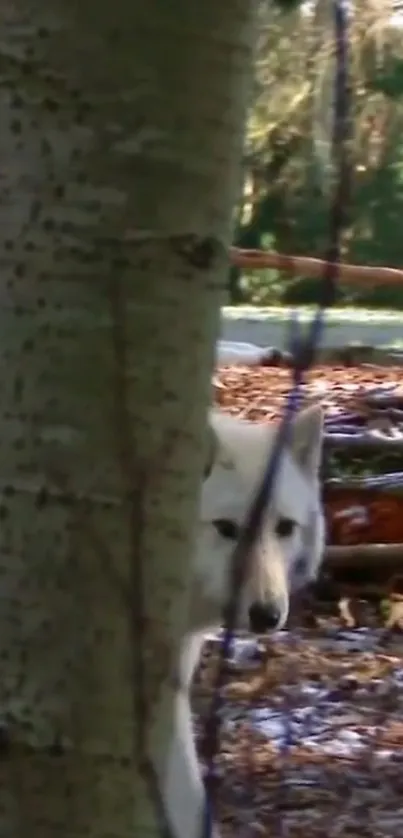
column 363, row 553
column 316, row 268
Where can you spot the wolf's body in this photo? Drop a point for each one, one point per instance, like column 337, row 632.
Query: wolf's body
column 287, row 556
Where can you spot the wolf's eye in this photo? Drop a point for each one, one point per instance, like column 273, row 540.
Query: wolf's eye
column 226, row 528
column 285, row 527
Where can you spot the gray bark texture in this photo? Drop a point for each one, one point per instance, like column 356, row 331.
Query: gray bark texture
column 120, row 145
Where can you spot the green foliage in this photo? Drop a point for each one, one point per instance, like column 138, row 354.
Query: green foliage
column 388, row 81
column 291, row 201
column 304, row 291
column 287, row 5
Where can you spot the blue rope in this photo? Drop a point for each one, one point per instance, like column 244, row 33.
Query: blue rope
column 304, row 351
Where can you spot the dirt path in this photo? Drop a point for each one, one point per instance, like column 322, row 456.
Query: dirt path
column 271, row 332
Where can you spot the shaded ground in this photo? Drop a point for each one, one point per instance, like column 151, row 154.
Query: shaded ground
column 312, row 735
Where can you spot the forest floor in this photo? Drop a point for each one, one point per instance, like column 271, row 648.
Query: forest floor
column 311, row 733
column 311, row 722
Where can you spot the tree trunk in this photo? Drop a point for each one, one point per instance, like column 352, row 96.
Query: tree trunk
column 121, row 138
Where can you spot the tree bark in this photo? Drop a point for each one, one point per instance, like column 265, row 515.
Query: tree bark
column 121, row 140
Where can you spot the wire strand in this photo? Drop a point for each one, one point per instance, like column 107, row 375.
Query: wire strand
column 304, row 351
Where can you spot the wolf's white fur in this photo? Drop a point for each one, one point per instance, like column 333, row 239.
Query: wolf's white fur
column 273, row 571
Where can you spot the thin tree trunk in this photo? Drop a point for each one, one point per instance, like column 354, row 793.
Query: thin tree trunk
column 121, row 140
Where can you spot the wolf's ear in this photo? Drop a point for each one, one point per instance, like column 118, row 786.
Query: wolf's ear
column 226, row 435
column 307, row 439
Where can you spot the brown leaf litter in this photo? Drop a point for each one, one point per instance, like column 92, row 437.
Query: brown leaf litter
column 341, row 773
column 259, row 393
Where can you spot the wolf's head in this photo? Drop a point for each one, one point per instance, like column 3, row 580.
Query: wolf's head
column 290, row 547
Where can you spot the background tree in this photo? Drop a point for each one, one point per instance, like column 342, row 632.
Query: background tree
column 121, row 137
column 288, row 144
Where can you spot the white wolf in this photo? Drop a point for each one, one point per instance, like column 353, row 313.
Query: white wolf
column 287, row 556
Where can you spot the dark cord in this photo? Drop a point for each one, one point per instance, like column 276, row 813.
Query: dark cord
column 304, row 352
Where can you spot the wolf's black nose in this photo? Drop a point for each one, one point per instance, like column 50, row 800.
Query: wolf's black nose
column 264, row 617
